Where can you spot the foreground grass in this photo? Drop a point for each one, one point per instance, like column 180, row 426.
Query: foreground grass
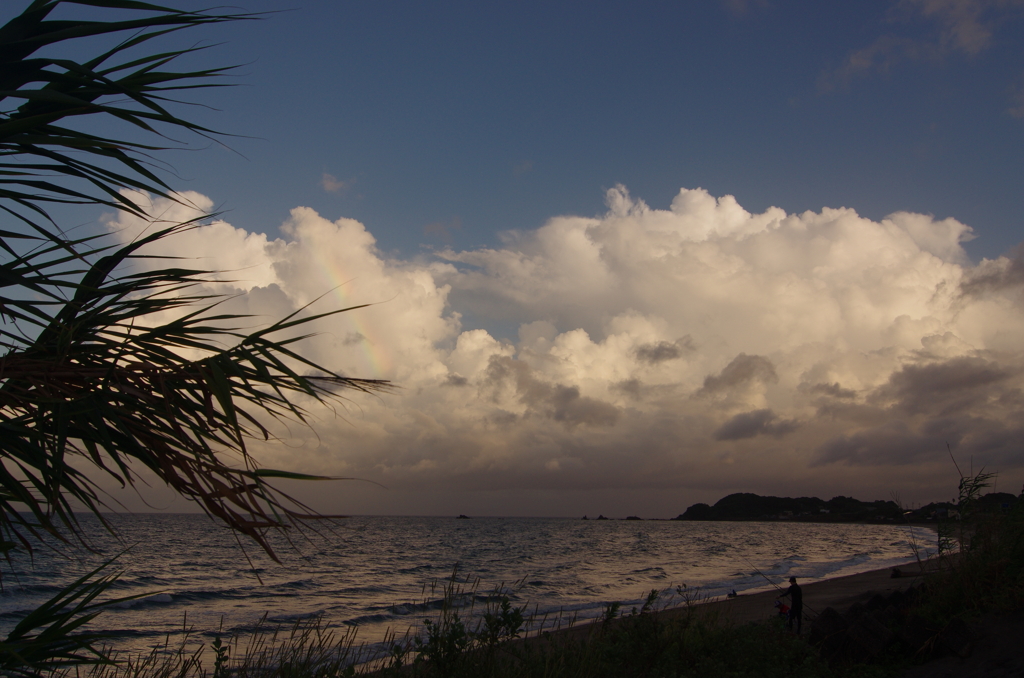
column 643, row 645
column 645, row 642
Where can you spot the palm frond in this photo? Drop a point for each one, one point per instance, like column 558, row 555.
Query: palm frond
column 86, row 373
column 97, row 382
column 39, row 156
column 50, row 637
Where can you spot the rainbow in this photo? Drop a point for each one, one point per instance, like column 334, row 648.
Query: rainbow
column 376, row 362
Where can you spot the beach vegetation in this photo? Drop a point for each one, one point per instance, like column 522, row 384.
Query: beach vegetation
column 89, row 377
column 982, row 552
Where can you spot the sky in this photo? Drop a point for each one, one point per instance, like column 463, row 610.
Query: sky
column 625, row 257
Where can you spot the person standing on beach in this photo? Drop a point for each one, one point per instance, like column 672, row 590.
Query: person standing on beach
column 796, row 610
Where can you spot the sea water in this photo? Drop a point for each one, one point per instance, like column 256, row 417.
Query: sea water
column 387, row 573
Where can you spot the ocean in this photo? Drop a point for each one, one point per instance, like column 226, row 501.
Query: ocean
column 386, row 573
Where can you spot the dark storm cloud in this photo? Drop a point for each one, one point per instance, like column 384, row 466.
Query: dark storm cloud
column 664, row 350
column 455, row 380
column 986, row 441
column 994, row 276
column 567, row 405
column 892, row 443
column 833, row 390
column 657, row 353
column 950, row 386
column 561, row 403
column 502, row 418
column 997, row 446
column 630, row 387
column 743, row 369
column 755, row 423
column 965, row 403
column 501, row 370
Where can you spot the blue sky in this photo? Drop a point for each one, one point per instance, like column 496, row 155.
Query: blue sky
column 627, row 257
column 446, row 123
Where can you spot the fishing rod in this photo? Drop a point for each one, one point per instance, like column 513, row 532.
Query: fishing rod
column 762, row 574
column 809, row 608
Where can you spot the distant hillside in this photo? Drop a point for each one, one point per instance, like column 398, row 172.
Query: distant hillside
column 747, row 506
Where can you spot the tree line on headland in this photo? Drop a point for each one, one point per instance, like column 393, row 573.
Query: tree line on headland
column 749, row 506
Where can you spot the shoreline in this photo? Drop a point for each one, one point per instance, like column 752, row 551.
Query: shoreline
column 839, row 593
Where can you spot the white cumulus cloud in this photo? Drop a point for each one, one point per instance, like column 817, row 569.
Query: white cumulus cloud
column 664, row 356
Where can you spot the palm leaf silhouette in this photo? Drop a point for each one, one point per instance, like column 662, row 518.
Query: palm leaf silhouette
column 88, row 378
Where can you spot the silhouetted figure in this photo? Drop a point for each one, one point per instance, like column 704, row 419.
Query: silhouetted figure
column 796, row 610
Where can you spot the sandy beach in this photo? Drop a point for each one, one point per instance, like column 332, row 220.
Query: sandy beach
column 839, row 593
column 995, row 635
column 993, row 649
